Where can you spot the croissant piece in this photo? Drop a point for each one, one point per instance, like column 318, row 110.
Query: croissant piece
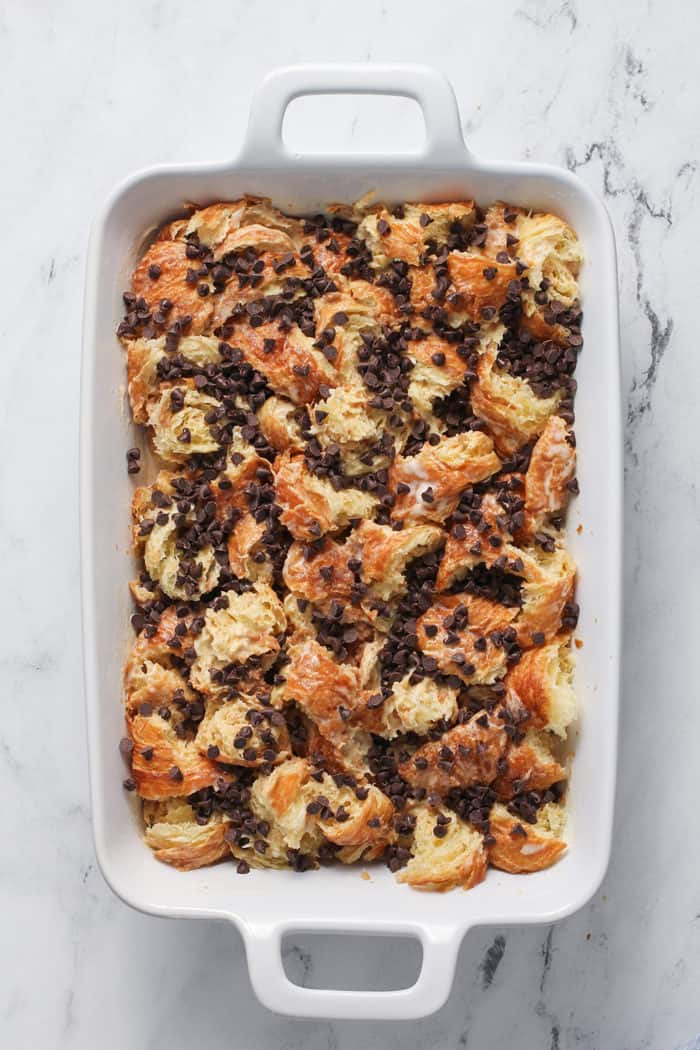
column 177, row 839
column 428, row 485
column 552, row 468
column 164, row 766
column 465, row 755
column 530, row 766
column 468, row 652
column 453, row 858
column 521, row 847
column 244, row 733
column 310, row 505
column 541, row 684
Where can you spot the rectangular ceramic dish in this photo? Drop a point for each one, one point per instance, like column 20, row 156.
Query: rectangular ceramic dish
column 269, row 904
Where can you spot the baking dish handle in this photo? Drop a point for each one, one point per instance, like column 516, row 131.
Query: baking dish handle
column 444, row 143
column 430, row 991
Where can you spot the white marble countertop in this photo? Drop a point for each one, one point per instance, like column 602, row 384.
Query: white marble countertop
column 93, row 91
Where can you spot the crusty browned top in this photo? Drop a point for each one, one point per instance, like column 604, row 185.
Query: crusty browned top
column 360, row 433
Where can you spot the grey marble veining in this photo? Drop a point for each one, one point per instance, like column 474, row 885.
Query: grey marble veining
column 94, row 91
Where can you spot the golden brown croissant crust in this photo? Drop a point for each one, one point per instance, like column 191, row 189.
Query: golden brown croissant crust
column 354, row 601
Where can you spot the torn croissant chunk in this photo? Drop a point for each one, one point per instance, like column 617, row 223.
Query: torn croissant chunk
column 551, row 469
column 405, row 238
column 176, row 838
column 243, row 732
column 513, row 413
column 541, row 684
column 427, row 486
column 479, row 283
column 528, row 766
column 179, row 425
column 522, row 847
column 456, row 632
column 163, row 765
column 385, row 554
column 281, row 799
column 552, row 252
column 415, row 707
column 310, row 505
column 465, row 755
column 243, row 626
column 143, row 357
column 301, row 813
column 454, row 858
column 328, row 692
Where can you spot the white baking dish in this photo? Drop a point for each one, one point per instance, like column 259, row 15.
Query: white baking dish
column 266, row 905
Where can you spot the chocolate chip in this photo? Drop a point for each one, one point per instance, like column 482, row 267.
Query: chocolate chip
column 133, row 460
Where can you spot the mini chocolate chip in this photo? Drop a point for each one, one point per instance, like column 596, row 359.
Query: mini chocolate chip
column 133, row 460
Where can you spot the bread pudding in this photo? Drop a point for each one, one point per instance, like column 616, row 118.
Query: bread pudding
column 354, row 602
